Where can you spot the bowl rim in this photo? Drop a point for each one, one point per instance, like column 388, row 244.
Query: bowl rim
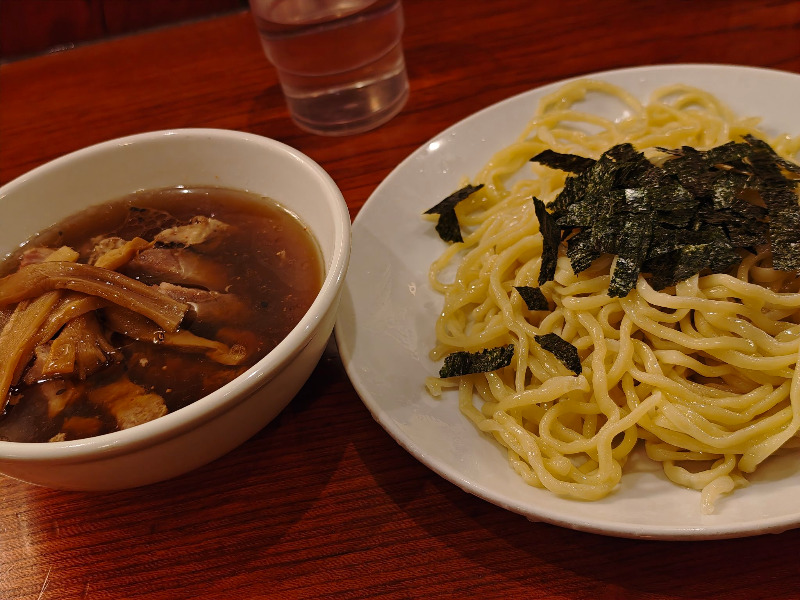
column 208, row 407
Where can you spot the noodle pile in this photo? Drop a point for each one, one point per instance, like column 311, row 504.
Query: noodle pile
column 705, row 372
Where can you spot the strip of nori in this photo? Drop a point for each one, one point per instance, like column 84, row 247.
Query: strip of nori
column 707, row 248
column 562, row 350
column 450, row 202
column 533, row 297
column 574, row 188
column 780, row 196
column 766, row 148
column 728, row 153
column 748, row 235
column 726, row 187
column 483, row 361
column 599, row 182
column 632, row 169
column 784, row 227
column 632, row 250
column 580, row 251
column 746, row 225
column 551, row 239
column 448, row 227
column 571, row 163
column 663, row 268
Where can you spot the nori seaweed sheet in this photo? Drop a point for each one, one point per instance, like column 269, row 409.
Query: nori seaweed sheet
column 562, row 350
column 693, row 213
column 563, row 162
column 763, row 146
column 533, row 297
column 551, row 239
column 483, row 361
column 581, row 251
column 779, row 193
column 448, row 227
column 631, row 252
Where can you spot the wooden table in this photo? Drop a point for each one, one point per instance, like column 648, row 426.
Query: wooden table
column 323, row 503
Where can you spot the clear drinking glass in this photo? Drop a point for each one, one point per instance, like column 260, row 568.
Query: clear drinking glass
column 340, row 62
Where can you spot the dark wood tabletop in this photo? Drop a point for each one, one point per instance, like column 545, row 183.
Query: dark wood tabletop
column 323, row 503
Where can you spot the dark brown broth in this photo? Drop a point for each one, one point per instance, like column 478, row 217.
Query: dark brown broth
column 271, row 262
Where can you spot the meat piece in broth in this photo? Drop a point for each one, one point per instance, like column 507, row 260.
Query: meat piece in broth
column 129, row 403
column 180, row 266
column 210, row 307
column 35, row 255
column 59, row 395
column 201, row 230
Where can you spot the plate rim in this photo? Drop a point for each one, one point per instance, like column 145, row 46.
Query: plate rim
column 773, row 525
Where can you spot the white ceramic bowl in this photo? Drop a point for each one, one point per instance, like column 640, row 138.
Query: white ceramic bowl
column 205, row 430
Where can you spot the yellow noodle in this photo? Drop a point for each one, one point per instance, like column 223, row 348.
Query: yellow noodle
column 703, row 374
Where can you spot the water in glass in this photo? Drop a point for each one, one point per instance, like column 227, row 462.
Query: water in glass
column 340, row 62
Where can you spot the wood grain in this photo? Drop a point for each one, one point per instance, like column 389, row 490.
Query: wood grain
column 29, row 27
column 322, row 503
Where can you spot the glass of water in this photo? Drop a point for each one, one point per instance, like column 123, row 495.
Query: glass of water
column 340, row 62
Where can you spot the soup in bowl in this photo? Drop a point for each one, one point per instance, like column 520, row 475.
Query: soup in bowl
column 185, row 284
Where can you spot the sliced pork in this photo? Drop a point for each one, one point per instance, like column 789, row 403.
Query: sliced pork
column 209, row 307
column 180, row 266
column 201, row 230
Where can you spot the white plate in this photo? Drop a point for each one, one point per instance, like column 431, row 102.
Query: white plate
column 385, row 329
